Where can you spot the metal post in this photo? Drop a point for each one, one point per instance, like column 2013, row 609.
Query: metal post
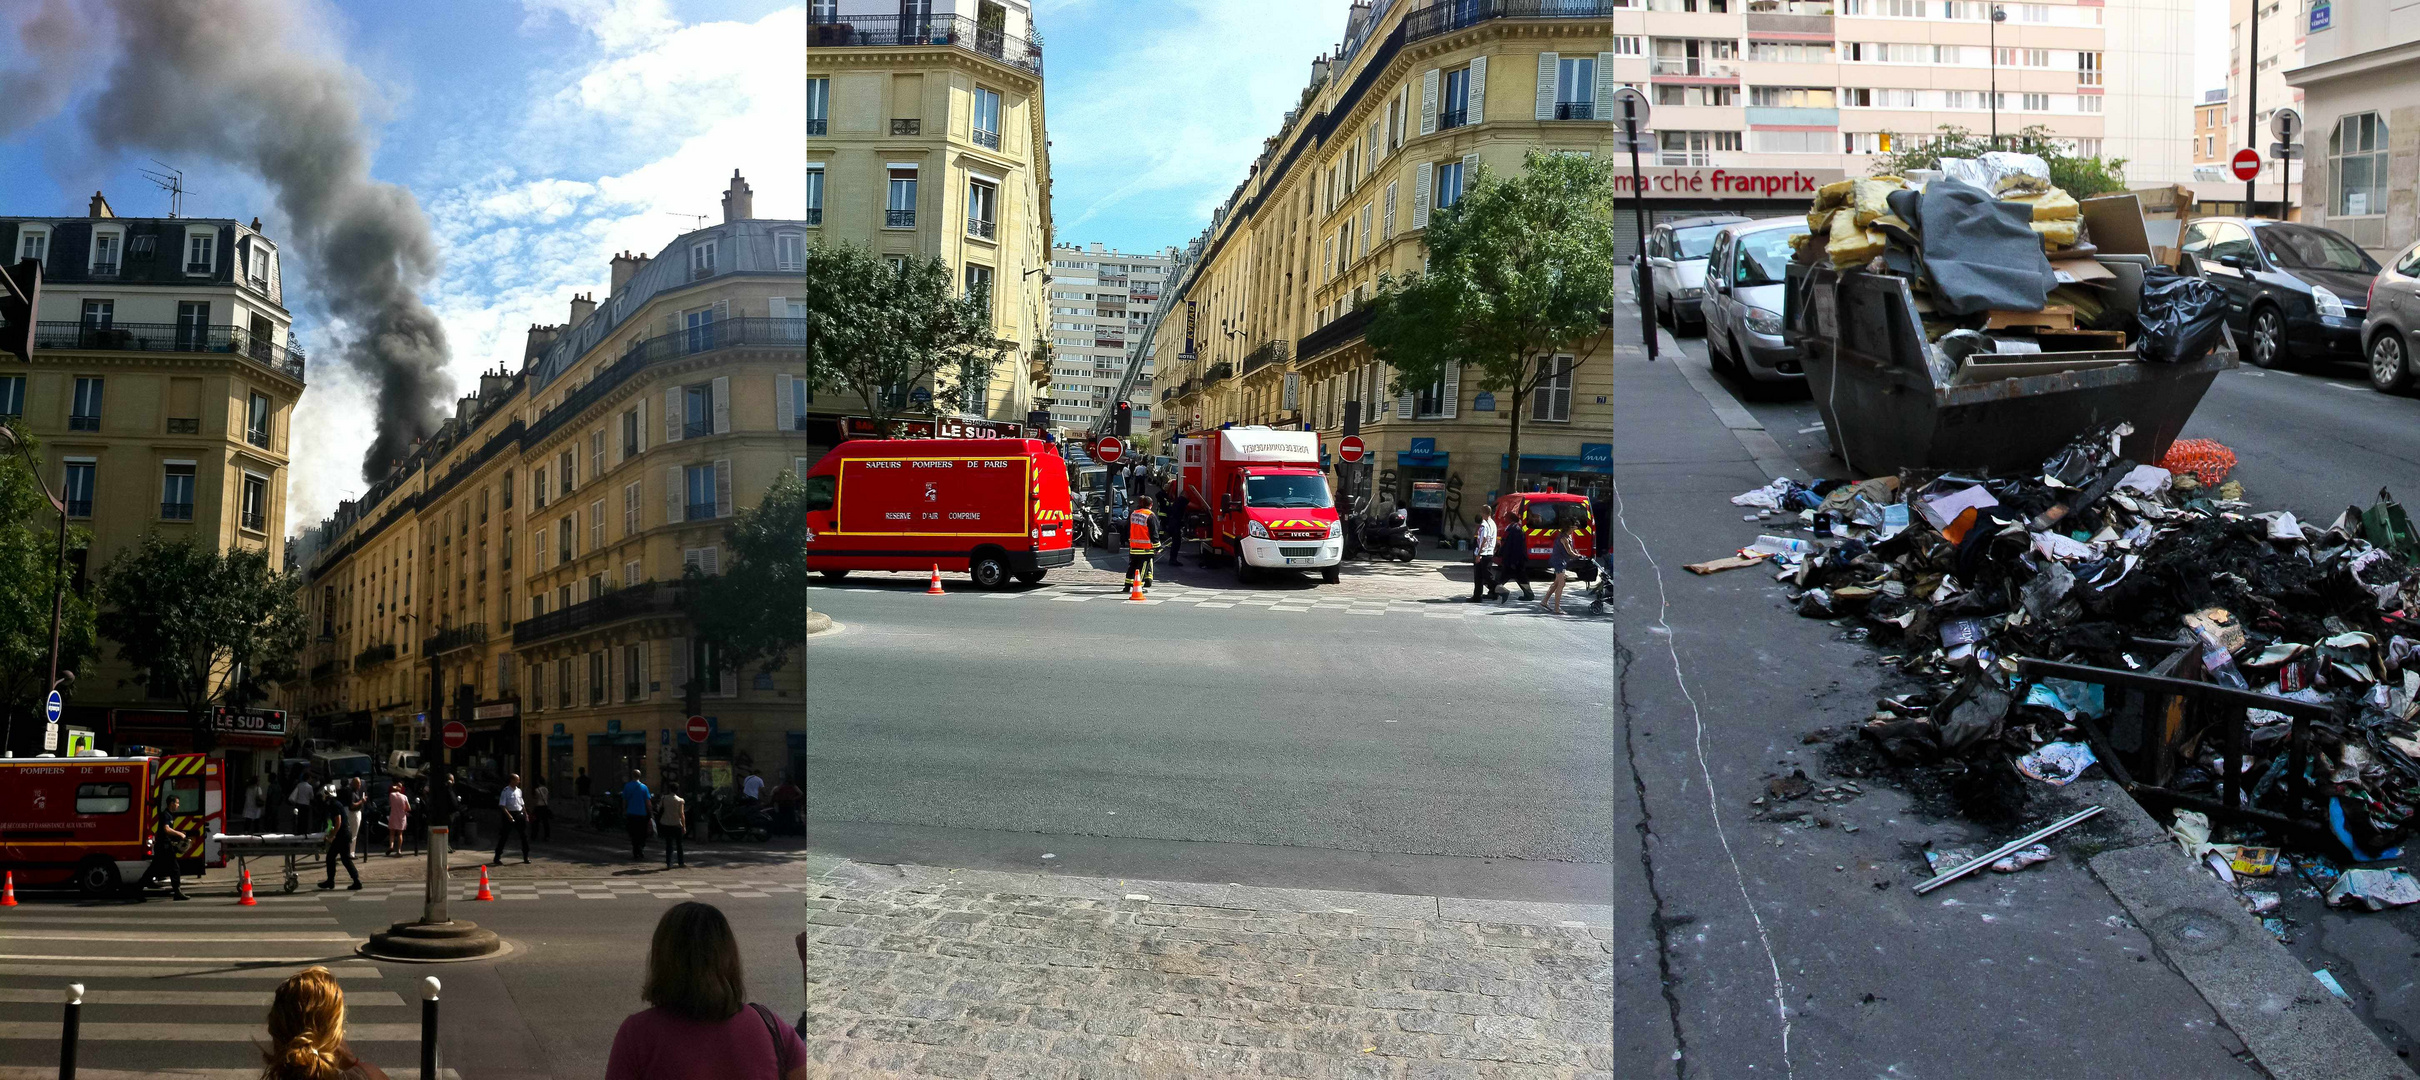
column 1638, row 203
column 428, row 1028
column 1993, row 32
column 2251, row 68
column 433, row 898
column 67, row 1033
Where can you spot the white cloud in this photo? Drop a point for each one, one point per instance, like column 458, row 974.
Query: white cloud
column 1180, row 114
column 605, row 159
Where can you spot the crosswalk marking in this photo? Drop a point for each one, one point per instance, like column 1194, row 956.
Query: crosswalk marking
column 353, row 999
column 249, row 1031
column 342, row 969
column 131, row 935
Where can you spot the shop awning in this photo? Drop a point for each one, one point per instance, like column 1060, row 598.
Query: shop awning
column 1407, row 460
column 1557, row 463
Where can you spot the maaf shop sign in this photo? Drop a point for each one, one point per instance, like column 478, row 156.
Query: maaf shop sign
column 1796, row 185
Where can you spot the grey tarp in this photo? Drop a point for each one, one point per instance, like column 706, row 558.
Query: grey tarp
column 1980, row 253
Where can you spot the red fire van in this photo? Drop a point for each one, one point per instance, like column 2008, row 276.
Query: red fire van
column 992, row 508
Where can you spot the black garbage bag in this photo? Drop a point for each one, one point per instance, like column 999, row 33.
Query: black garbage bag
column 2179, row 318
column 1980, row 253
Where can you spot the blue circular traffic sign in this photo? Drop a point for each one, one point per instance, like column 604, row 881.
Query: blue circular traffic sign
column 52, row 706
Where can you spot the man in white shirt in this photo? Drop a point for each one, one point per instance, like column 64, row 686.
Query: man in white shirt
column 752, row 788
column 511, row 816
column 1483, row 560
column 299, row 802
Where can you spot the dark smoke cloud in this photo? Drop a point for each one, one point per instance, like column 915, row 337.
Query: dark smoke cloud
column 229, row 80
column 58, row 38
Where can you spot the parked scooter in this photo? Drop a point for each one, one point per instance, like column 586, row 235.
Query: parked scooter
column 735, row 819
column 1386, row 537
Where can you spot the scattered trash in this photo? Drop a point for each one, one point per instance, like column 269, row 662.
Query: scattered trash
column 2260, row 902
column 2374, row 890
column 2191, row 832
column 2275, row 927
column 2058, row 763
column 2205, row 460
column 1734, row 562
column 2245, row 859
column 1788, row 788
column 2019, row 844
column 2328, row 979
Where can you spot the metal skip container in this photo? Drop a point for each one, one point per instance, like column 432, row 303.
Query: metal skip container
column 1890, row 401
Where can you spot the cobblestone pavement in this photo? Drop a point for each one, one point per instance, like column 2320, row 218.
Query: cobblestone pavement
column 925, row 972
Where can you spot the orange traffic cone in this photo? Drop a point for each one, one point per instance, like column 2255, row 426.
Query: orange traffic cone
column 935, row 589
column 483, row 893
column 1134, row 586
column 8, row 890
column 244, row 895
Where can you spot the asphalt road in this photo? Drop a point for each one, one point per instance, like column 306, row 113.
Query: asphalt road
column 1430, row 748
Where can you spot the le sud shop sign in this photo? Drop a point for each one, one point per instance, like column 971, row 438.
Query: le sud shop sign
column 947, row 427
column 1791, row 185
column 270, row 722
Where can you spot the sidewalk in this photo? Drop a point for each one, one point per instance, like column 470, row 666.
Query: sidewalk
column 1760, row 943
column 929, row 971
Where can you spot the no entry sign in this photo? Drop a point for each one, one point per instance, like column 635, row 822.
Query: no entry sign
column 2245, row 164
column 454, row 734
column 697, row 729
column 1109, row 450
column 1351, row 448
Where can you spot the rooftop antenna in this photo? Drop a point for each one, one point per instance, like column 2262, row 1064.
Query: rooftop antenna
column 171, row 180
column 699, row 218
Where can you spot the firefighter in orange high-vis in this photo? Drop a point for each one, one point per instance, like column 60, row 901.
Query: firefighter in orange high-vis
column 1142, row 541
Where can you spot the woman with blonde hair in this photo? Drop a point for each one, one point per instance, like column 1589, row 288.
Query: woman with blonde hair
column 702, row 1026
column 307, row 1032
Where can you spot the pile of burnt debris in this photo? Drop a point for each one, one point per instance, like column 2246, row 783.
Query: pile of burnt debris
column 2251, row 672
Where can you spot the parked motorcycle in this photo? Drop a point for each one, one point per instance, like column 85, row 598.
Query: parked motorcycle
column 605, row 812
column 1387, row 536
column 732, row 818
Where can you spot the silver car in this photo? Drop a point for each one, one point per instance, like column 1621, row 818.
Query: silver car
column 2391, row 334
column 1676, row 255
column 1743, row 302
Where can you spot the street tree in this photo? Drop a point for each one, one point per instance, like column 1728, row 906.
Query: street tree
column 1518, row 291
column 29, row 571
column 755, row 611
column 2081, row 177
column 876, row 329
column 204, row 627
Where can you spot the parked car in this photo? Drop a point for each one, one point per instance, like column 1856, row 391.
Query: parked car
column 1743, row 303
column 2294, row 291
column 2392, row 330
column 1676, row 256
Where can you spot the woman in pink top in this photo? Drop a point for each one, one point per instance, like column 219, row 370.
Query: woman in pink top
column 399, row 817
column 702, row 1026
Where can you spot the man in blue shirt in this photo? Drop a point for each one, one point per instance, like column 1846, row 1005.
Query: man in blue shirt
column 634, row 814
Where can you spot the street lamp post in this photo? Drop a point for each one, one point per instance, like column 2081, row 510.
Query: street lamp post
column 1998, row 15
column 58, row 580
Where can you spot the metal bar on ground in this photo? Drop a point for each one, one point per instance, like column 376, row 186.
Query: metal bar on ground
column 2004, row 850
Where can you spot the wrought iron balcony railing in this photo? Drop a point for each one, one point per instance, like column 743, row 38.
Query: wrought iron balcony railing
column 373, row 656
column 981, row 229
column 899, row 219
column 1575, row 110
column 1448, row 16
column 868, row 31
column 458, row 637
column 171, row 337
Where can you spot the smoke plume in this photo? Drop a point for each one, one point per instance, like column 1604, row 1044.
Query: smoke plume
column 240, row 82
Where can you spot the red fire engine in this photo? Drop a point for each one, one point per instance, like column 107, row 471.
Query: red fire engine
column 88, row 821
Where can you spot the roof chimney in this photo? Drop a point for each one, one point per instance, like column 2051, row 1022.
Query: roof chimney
column 539, row 338
column 739, row 201
column 582, row 306
column 625, row 267
column 493, row 382
column 100, row 207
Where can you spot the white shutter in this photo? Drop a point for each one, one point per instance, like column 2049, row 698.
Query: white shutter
column 722, row 312
column 1422, row 178
column 1547, row 64
column 1470, row 172
column 1428, row 102
column 722, row 488
column 672, row 415
column 672, row 496
column 1405, row 403
column 1365, row 228
column 1478, row 89
column 1389, row 231
column 781, row 404
column 710, row 559
column 642, row 404
column 1453, row 392
column 722, row 404
column 1605, row 85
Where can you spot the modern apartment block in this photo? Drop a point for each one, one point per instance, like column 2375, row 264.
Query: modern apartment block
column 526, row 569
column 2282, row 39
column 2361, row 75
column 164, row 375
column 925, row 138
column 1100, row 304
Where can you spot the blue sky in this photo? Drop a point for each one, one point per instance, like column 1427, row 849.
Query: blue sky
column 541, row 136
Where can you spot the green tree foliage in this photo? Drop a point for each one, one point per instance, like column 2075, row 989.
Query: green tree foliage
column 756, row 610
column 1521, row 270
column 2082, row 177
column 29, row 568
column 874, row 331
column 209, row 627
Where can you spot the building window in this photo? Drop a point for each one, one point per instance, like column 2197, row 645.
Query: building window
column 979, row 285
column 630, row 433
column 537, row 486
column 1629, row 45
column 1576, row 88
column 1449, row 184
column 567, row 467
column 105, row 254
column 1552, row 399
column 256, row 421
column 698, row 482
column 201, row 253
column 33, row 243
column 563, row 539
column 1790, row 52
column 1453, row 106
column 1790, row 142
column 982, row 209
column 256, row 503
column 630, row 509
column 596, row 525
column 176, row 492
column 2034, row 103
column 259, row 274
column 701, row 329
column 819, row 106
column 708, row 560
column 2088, row 69
column 790, row 249
column 631, row 668
column 506, row 481
column 192, row 325
column 987, row 118
column 1694, row 147
column 814, row 208
column 99, row 315
column 79, row 489
column 563, row 683
column 86, row 414
column 701, row 260
column 798, row 404
column 596, row 678
column 2357, row 159
column 596, row 453
column 900, row 212
column 537, row 548
column 697, row 413
column 1792, row 97
column 12, row 395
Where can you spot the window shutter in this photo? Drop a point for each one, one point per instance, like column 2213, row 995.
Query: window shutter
column 710, row 559
column 722, row 488
column 722, row 404
column 1547, row 66
column 672, row 496
column 1404, row 403
column 644, row 688
column 1478, row 89
column 1422, row 178
column 1453, row 392
column 1365, row 228
column 1428, row 102
column 1470, row 172
column 1605, row 85
column 781, row 402
column 672, row 415
column 722, row 311
column 642, row 404
column 1389, row 231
